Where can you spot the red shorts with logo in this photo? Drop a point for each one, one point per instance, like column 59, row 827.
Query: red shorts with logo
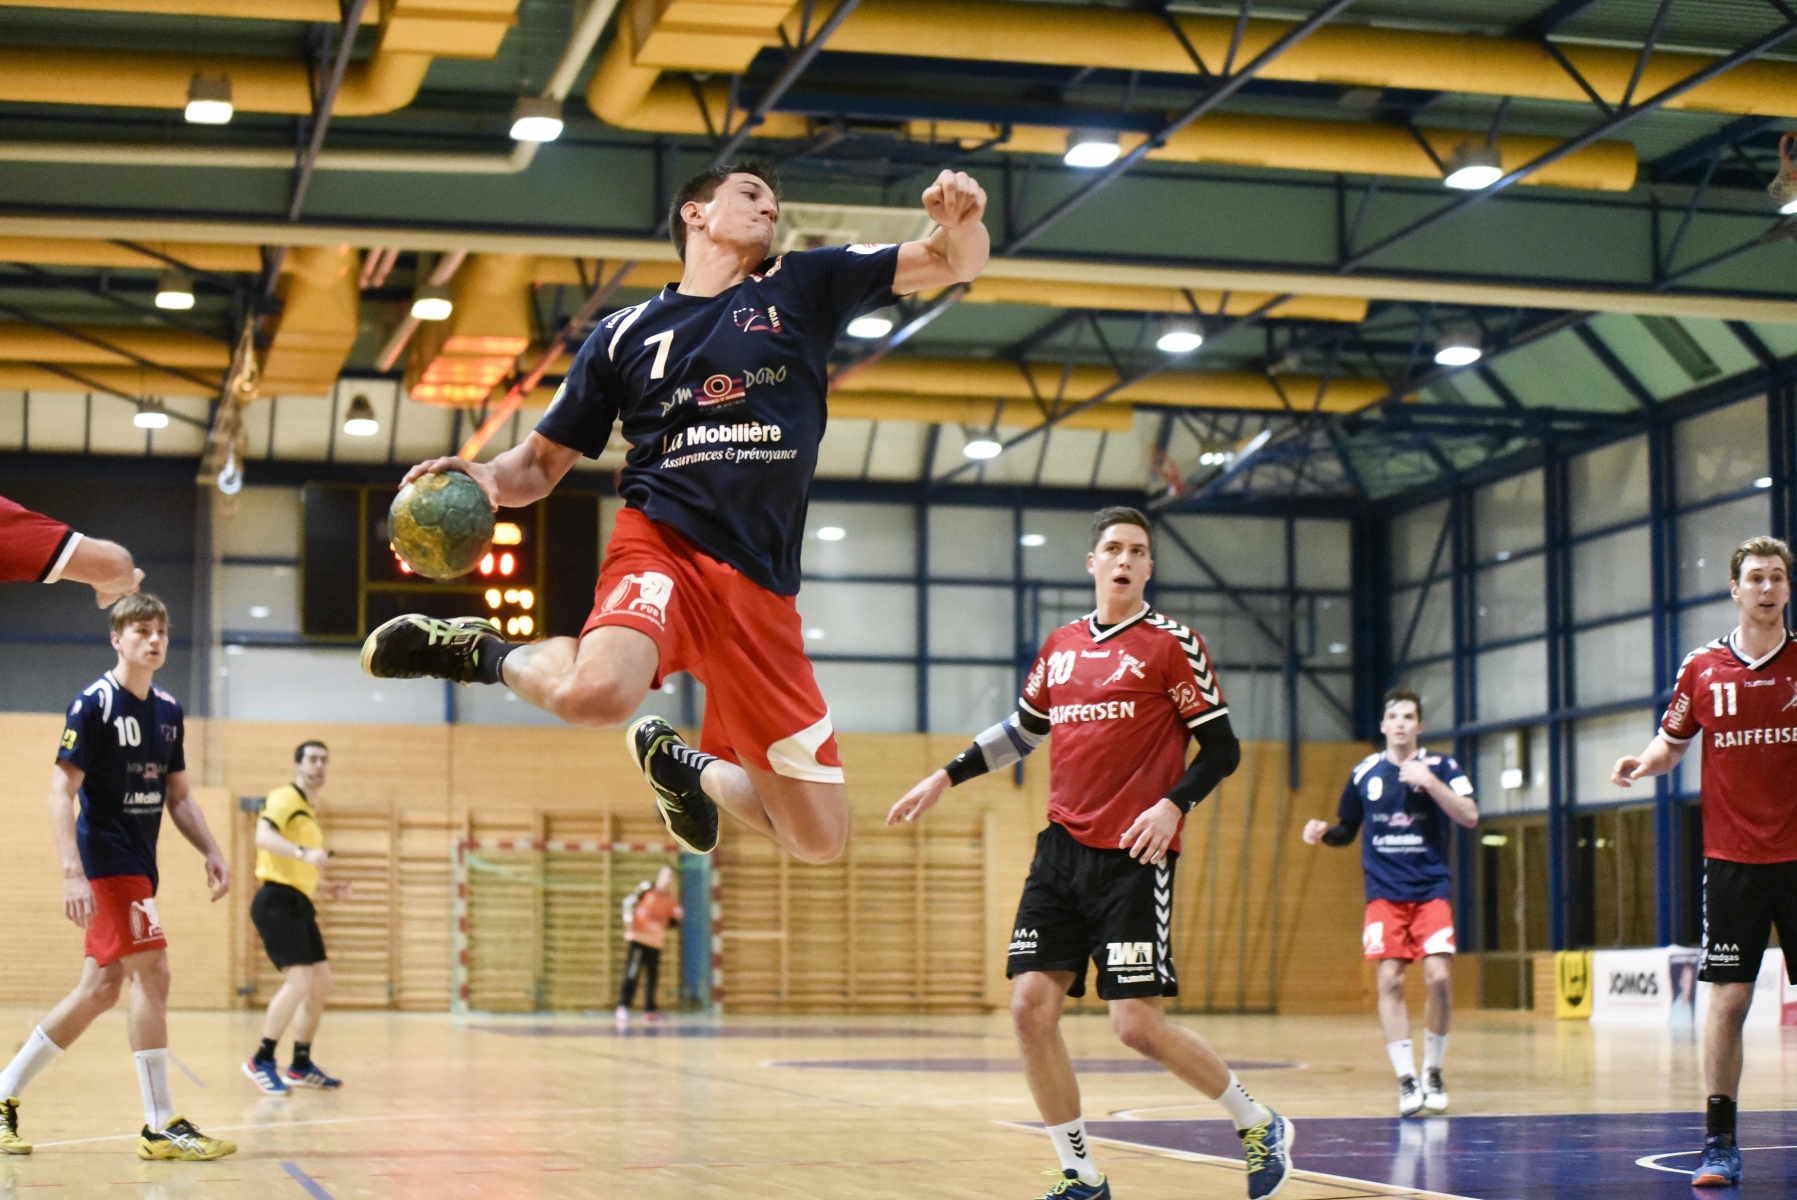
column 1407, row 931
column 743, row 642
column 125, row 919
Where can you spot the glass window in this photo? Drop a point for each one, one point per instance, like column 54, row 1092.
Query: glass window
column 1435, row 684
column 1720, row 452
column 1245, row 551
column 1513, row 682
column 1507, row 517
column 1708, row 536
column 1511, row 599
column 969, row 699
column 1329, row 639
column 971, row 622
column 1066, row 538
column 859, row 618
column 1319, row 720
column 1597, row 742
column 1612, row 575
column 1613, row 662
column 875, row 539
column 1325, row 553
column 869, row 697
column 1521, row 750
column 1609, row 486
column 1434, row 625
column 281, row 683
column 1702, row 624
column 1235, row 640
column 971, row 543
column 1256, row 704
column 258, row 599
column 1413, row 539
column 266, row 524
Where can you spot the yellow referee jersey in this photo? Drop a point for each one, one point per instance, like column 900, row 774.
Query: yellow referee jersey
column 289, row 812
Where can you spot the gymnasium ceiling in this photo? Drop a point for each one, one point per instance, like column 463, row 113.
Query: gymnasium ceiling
column 1290, row 206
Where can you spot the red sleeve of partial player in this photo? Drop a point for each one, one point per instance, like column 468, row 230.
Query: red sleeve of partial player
column 31, row 544
column 1192, row 682
column 1680, row 723
column 1034, row 700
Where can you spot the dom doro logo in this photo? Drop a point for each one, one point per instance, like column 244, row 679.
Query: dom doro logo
column 1635, row 983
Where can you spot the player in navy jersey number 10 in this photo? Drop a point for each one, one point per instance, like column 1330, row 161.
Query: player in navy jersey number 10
column 123, row 760
column 720, row 385
column 1406, row 797
column 1124, row 690
column 1739, row 694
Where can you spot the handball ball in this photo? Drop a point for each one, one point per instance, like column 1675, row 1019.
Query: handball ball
column 441, row 524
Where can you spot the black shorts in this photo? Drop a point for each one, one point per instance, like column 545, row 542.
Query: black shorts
column 288, row 924
column 1080, row 903
column 1741, row 904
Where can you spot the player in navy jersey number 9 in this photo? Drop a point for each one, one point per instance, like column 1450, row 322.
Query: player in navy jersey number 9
column 1124, row 689
column 720, row 385
column 1739, row 693
column 1406, row 797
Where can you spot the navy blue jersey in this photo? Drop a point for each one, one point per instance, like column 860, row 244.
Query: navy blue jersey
column 1405, row 850
column 722, row 400
column 127, row 749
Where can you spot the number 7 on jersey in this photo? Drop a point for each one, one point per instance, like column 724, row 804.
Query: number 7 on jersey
column 661, row 342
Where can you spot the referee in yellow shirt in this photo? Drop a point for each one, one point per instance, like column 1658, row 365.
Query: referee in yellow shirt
column 290, row 857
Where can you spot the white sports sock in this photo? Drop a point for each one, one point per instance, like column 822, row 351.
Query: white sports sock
column 152, row 1080
column 1403, row 1057
column 1076, row 1153
column 1435, row 1045
column 1240, row 1106
column 37, row 1053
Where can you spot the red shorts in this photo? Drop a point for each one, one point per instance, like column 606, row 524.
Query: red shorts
column 743, row 642
column 1407, row 931
column 125, row 920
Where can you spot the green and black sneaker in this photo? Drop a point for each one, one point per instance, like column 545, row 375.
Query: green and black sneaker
column 412, row 646
column 673, row 768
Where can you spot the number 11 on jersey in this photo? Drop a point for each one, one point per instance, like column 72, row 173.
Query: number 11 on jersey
column 1717, row 692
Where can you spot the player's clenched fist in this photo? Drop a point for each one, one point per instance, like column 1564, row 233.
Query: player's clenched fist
column 955, row 199
column 1314, row 831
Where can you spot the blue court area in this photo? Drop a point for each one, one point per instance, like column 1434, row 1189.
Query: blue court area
column 1613, row 1156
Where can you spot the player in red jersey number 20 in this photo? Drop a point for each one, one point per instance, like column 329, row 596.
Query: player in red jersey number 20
column 1123, row 689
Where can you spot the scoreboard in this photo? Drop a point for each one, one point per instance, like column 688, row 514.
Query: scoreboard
column 537, row 580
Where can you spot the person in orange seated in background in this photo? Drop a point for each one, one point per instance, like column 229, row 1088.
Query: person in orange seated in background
column 648, row 912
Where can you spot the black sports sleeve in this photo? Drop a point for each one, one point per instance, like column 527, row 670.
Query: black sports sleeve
column 1219, row 754
column 1348, row 815
column 1005, row 743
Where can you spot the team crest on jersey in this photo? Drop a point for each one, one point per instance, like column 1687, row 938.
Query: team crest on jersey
column 1401, row 820
column 152, row 772
column 1130, row 664
column 1183, row 695
column 146, row 925
column 770, row 272
column 753, row 320
column 645, row 594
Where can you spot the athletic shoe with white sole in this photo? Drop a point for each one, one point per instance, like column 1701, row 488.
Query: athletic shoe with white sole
column 10, row 1141
column 309, row 1076
column 1410, row 1096
column 412, row 646
column 1435, row 1094
column 673, row 768
column 179, row 1141
column 1268, row 1149
column 266, row 1076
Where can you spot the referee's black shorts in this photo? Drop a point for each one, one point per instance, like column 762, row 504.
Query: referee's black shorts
column 288, row 923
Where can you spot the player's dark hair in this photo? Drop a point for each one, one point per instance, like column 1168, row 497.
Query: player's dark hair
column 139, row 606
column 1397, row 694
column 1119, row 514
column 299, row 751
column 1758, row 547
column 703, row 186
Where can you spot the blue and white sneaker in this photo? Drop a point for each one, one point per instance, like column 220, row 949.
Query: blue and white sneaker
column 311, row 1077
column 1072, row 1187
column 266, row 1076
column 1268, row 1149
column 1721, row 1163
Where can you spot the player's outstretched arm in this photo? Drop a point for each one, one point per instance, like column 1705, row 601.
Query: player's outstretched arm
column 957, row 252
column 998, row 747
column 107, row 566
column 185, row 812
column 1662, row 754
column 522, row 475
column 77, row 892
column 921, row 798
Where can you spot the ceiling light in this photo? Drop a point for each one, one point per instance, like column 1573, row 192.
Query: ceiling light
column 1032, row 540
column 1458, row 350
column 1473, row 168
column 982, row 448
column 1788, row 207
column 1089, row 148
column 360, row 421
column 149, row 418
column 1763, row 482
column 870, row 326
column 814, row 634
column 209, row 100
column 831, row 533
column 432, row 303
column 536, row 119
column 174, row 291
column 1181, row 337
column 1783, row 188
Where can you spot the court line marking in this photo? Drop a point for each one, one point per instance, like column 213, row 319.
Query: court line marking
column 198, row 1082
column 1651, row 1161
column 1383, row 1189
column 312, row 1186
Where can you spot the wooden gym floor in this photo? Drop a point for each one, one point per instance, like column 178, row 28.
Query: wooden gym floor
column 554, row 1108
